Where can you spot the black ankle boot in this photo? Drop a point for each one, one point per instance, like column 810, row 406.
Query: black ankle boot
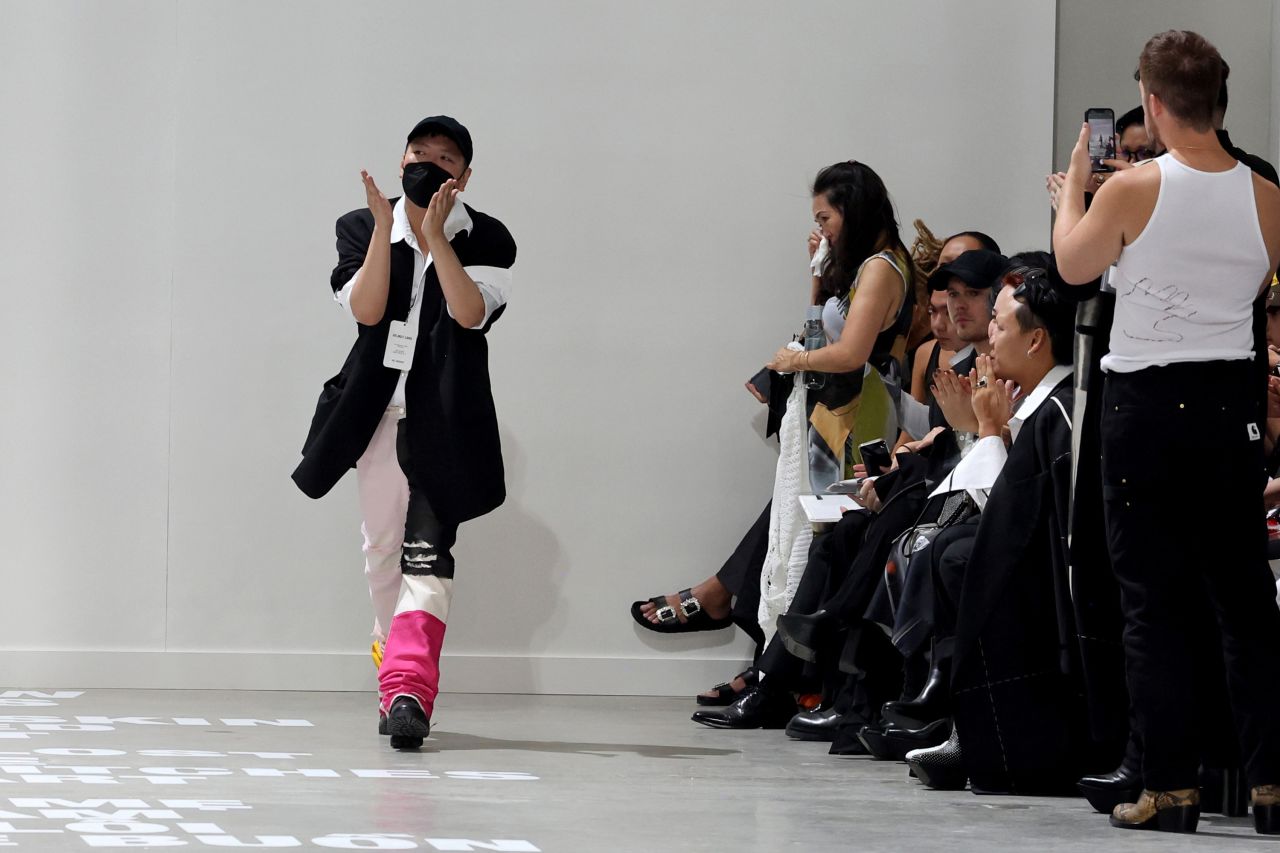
column 802, row 635
column 934, row 701
column 1122, row 785
column 407, row 723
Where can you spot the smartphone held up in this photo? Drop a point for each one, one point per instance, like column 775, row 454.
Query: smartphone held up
column 1102, row 137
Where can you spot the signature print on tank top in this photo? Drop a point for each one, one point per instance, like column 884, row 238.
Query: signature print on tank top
column 1169, row 306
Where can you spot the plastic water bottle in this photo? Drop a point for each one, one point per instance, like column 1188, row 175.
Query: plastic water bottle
column 814, row 338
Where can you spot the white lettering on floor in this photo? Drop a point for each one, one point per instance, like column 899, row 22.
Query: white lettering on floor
column 60, row 765
column 24, row 726
column 130, row 822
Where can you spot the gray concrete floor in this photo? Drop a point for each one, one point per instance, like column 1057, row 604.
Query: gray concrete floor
column 515, row 773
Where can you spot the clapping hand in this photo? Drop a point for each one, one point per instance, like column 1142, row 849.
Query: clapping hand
column 438, row 210
column 378, row 204
column 955, row 397
column 992, row 399
column 1054, row 183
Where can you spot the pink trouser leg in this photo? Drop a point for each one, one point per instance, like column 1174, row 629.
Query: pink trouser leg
column 384, row 502
column 411, row 663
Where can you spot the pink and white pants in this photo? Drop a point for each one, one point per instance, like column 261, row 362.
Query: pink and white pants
column 409, row 568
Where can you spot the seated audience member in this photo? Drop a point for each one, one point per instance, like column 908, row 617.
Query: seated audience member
column 913, row 613
column 927, row 254
column 917, row 421
column 1133, row 143
column 919, row 721
column 1019, row 687
column 938, row 350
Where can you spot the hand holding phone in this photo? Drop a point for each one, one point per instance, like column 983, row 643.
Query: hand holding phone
column 1102, row 137
column 758, row 385
column 875, row 455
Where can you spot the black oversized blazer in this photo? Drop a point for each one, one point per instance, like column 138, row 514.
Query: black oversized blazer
column 449, row 438
column 1036, row 637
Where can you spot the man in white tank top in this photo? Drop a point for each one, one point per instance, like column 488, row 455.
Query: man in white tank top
column 1195, row 237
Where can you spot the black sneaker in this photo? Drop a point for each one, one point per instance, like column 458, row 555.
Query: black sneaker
column 407, row 723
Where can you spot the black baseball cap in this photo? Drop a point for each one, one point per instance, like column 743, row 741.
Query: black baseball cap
column 977, row 268
column 446, row 126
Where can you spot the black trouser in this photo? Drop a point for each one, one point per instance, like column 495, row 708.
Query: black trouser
column 411, row 662
column 740, row 574
column 428, row 541
column 1182, row 480
column 829, row 559
column 948, row 562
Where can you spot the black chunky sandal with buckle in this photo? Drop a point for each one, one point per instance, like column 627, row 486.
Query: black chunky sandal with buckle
column 696, row 618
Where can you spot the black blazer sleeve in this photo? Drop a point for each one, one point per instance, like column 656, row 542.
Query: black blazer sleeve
column 499, row 248
column 354, row 230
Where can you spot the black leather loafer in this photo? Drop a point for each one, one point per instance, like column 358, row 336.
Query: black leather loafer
column 820, row 724
column 756, row 708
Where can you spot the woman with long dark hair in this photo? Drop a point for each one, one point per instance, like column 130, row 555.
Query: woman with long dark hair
column 867, row 297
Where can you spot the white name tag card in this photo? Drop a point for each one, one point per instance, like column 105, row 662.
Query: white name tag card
column 401, row 341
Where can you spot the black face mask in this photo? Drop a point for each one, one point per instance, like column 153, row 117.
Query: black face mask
column 421, row 180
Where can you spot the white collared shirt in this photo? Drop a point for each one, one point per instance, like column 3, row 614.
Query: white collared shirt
column 961, row 355
column 494, row 283
column 981, row 466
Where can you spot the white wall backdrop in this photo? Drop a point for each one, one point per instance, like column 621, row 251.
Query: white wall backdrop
column 1275, row 76
column 173, row 172
column 1099, row 42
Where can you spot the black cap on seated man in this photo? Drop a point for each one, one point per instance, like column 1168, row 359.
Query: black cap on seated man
column 968, row 281
column 977, row 268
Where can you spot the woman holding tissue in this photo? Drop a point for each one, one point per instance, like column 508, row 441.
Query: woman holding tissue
column 863, row 280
